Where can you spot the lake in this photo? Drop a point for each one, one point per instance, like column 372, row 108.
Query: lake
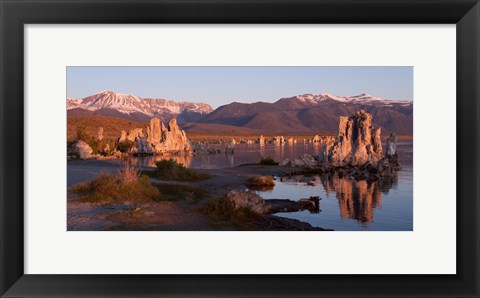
column 346, row 204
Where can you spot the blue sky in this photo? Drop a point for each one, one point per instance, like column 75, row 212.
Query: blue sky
column 220, row 85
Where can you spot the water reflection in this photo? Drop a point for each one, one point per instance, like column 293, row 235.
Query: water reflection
column 358, row 199
column 346, row 204
column 244, row 153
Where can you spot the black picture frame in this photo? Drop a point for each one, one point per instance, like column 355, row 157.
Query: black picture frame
column 15, row 13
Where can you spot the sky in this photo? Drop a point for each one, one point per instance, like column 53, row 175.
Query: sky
column 221, row 85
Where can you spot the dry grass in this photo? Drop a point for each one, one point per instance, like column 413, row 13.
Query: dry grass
column 124, row 186
column 112, row 126
column 219, row 209
column 172, row 170
column 128, row 174
column 261, row 181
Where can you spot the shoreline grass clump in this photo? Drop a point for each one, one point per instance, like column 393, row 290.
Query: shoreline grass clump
column 127, row 185
column 261, row 183
column 220, row 209
column 268, row 161
column 169, row 169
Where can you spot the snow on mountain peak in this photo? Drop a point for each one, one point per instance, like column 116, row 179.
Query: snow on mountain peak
column 316, row 98
column 128, row 104
column 364, row 98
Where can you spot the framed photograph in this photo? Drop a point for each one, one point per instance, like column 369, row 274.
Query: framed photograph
column 251, row 149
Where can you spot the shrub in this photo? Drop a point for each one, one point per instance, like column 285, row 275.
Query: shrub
column 83, row 135
column 268, row 161
column 94, row 144
column 222, row 209
column 171, row 170
column 124, row 186
column 125, row 146
column 262, row 183
column 128, row 174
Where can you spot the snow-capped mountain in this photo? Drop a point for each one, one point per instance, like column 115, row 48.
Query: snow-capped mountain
column 364, row 98
column 133, row 107
column 314, row 112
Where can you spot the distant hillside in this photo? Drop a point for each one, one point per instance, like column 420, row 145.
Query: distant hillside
column 222, row 129
column 112, row 126
column 317, row 113
column 308, row 113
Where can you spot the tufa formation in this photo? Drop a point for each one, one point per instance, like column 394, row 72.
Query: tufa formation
column 157, row 138
column 357, row 142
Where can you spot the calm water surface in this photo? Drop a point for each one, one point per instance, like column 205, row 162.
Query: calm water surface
column 243, row 154
column 346, row 204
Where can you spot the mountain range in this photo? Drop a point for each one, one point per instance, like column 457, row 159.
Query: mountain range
column 316, row 113
column 108, row 103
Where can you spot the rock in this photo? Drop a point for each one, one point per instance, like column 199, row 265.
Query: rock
column 154, row 131
column 230, row 149
column 202, row 148
column 309, row 160
column 298, row 162
column 249, row 200
column 391, row 148
column 261, row 140
column 134, row 134
column 279, row 140
column 83, row 150
column 357, row 142
column 311, row 204
column 172, row 139
column 100, row 134
column 142, row 146
column 158, row 138
column 286, row 162
column 123, row 136
column 275, row 223
column 305, row 160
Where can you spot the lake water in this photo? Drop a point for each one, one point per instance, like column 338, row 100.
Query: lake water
column 244, row 153
column 346, row 204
